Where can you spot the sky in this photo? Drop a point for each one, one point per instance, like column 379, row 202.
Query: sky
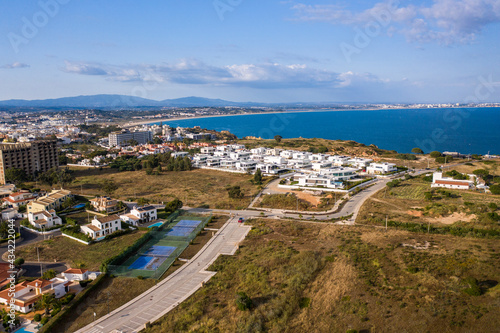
column 437, row 51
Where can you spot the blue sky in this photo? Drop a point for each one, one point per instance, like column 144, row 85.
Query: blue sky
column 263, row 51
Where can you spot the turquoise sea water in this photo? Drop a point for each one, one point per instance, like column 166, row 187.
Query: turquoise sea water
column 471, row 130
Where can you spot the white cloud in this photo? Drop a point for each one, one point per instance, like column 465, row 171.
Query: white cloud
column 15, row 65
column 445, row 21
column 260, row 76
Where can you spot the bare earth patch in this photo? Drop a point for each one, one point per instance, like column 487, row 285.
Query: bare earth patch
column 455, row 217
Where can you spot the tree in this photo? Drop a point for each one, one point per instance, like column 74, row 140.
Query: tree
column 257, row 177
column 495, row 189
column 108, row 186
column 15, row 175
column 278, row 138
column 56, row 175
column 435, row 154
column 49, row 274
column 417, row 151
column 173, row 205
column 47, row 302
column 483, row 173
column 235, row 192
column 68, row 202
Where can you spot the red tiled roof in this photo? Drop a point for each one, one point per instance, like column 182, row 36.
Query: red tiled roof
column 75, row 271
column 39, row 283
column 450, row 182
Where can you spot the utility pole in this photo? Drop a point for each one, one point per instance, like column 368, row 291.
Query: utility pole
column 297, row 203
column 386, row 223
column 38, row 255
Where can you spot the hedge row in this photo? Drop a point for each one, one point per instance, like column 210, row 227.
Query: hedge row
column 68, row 310
column 6, row 239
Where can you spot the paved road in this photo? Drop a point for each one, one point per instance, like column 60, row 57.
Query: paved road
column 159, row 300
column 27, row 237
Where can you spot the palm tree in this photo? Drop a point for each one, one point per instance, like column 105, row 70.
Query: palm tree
column 47, row 302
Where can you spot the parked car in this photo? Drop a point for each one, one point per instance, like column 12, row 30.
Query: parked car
column 240, row 220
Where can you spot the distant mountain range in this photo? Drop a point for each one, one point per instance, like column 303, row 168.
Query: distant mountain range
column 121, row 101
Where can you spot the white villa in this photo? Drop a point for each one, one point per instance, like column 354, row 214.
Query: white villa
column 76, row 274
column 447, row 182
column 314, row 180
column 44, row 219
column 102, row 226
column 26, row 294
column 360, row 162
column 381, row 168
column 140, row 215
column 340, row 173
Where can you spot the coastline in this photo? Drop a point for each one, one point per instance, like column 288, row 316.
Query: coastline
column 145, row 122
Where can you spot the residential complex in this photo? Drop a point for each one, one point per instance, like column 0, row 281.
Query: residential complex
column 32, row 157
column 53, row 200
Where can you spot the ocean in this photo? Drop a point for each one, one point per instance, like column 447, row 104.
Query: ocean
column 464, row 130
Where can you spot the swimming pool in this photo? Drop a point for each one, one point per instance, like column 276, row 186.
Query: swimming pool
column 157, row 224
column 23, row 330
column 79, row 205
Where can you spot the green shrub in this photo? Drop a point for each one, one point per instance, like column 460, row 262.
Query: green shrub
column 495, row 189
column 37, row 317
column 83, row 283
column 67, row 298
column 473, row 288
column 55, row 311
column 243, row 302
column 44, row 320
column 304, row 302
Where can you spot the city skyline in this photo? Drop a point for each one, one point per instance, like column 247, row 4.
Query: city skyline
column 283, row 51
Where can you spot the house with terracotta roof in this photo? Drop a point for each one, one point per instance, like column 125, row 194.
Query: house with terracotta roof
column 5, row 273
column 26, row 294
column 76, row 274
column 18, row 199
column 447, row 182
column 44, row 219
column 104, row 204
column 100, row 227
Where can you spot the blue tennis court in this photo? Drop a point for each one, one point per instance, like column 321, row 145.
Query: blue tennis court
column 188, row 223
column 157, row 250
column 180, row 231
column 141, row 262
